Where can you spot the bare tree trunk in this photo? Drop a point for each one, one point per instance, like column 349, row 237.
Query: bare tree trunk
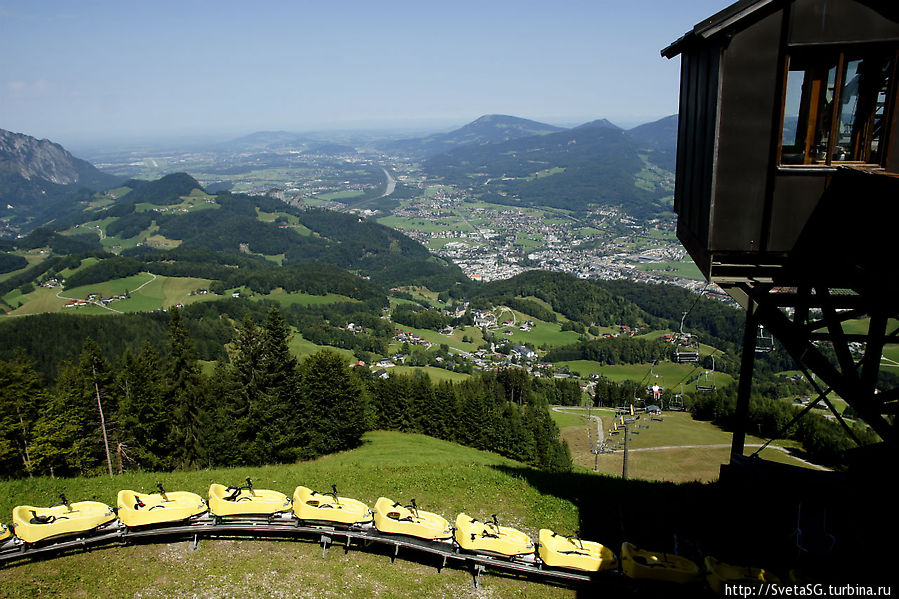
column 102, row 421
column 26, row 457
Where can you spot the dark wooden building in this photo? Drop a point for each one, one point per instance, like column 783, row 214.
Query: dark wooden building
column 787, row 190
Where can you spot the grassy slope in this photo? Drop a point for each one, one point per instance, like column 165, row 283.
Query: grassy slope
column 670, row 375
column 674, row 465
column 445, row 478
column 441, row 476
column 154, row 293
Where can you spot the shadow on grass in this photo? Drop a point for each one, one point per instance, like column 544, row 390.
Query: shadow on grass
column 829, row 527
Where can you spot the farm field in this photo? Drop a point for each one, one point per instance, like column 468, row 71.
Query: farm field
column 148, row 292
column 31, row 257
column 454, row 340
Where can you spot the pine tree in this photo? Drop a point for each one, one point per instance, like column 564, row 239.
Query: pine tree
column 142, row 415
column 73, row 434
column 280, row 371
column 183, row 395
column 332, row 404
column 22, row 397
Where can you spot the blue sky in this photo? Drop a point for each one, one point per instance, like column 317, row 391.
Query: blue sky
column 97, row 70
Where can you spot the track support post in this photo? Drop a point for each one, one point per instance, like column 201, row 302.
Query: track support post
column 476, row 571
column 325, row 541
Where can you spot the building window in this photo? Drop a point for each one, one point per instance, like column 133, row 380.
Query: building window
column 837, row 107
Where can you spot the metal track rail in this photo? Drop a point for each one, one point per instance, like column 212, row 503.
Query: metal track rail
column 447, row 552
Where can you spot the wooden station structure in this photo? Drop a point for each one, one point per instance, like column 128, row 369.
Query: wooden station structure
column 787, row 190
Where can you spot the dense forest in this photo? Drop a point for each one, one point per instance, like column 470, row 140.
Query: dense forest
column 157, row 410
column 584, row 301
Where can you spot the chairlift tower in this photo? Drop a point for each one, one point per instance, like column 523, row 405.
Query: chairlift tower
column 787, row 184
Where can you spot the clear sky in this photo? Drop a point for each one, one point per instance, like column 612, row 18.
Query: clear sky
column 81, row 71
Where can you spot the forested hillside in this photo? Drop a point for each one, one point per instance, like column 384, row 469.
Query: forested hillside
column 572, row 169
column 584, row 301
column 261, row 406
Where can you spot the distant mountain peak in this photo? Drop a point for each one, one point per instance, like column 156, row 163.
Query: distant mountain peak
column 487, row 129
column 599, row 124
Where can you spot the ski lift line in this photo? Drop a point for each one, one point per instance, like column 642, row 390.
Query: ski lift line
column 696, row 301
column 822, row 396
column 830, row 406
column 793, row 421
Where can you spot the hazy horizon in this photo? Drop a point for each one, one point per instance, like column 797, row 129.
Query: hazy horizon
column 102, row 73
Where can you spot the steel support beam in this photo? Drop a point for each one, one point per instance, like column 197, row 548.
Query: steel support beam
column 744, row 389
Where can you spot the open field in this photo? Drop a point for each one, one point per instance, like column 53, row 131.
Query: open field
column 38, row 301
column 302, row 299
column 301, row 347
column 675, row 449
column 454, row 340
column 148, row 292
column 31, row 257
column 436, row 374
column 549, row 334
column 685, row 268
column 667, row 374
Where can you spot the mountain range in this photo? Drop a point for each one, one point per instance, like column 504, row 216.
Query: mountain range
column 594, row 164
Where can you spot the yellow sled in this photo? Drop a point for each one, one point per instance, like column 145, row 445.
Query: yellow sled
column 393, row 518
column 33, row 524
column 474, row 535
column 651, row 565
column 139, row 509
column 329, row 507
column 245, row 501
column 719, row 573
column 558, row 551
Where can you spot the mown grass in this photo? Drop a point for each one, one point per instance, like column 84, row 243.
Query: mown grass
column 661, row 446
column 734, row 523
column 302, row 347
column 302, row 299
column 436, row 374
column 441, row 476
column 549, row 334
column 147, row 292
column 670, row 375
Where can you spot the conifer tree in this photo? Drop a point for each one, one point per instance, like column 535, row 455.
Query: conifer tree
column 69, row 438
column 142, row 415
column 183, row 395
column 332, row 402
column 22, row 397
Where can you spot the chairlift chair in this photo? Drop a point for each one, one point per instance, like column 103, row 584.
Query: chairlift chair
column 677, row 402
column 687, row 350
column 706, row 381
column 764, row 343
